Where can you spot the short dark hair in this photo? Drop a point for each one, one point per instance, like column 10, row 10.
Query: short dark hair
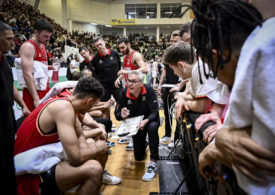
column 82, row 48
column 175, row 33
column 124, row 40
column 96, row 39
column 88, row 86
column 79, row 75
column 186, row 28
column 179, row 51
column 43, row 24
column 4, row 26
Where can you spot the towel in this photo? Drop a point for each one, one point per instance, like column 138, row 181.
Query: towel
column 57, row 88
column 39, row 159
column 40, row 74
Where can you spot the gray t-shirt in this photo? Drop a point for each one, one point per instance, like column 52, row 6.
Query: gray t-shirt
column 252, row 97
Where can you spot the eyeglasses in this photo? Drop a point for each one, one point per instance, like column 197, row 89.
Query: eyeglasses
column 133, row 81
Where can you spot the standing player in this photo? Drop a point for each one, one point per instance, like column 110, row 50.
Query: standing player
column 132, row 61
column 31, row 51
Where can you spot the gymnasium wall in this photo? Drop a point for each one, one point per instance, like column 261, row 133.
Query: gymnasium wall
column 88, row 11
column 52, row 8
column 117, row 11
column 78, row 14
column 86, row 27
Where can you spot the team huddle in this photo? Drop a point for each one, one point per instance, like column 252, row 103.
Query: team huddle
column 221, row 67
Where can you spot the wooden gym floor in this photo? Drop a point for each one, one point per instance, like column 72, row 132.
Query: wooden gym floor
column 121, row 163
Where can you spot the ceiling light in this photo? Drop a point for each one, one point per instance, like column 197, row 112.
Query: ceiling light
column 93, row 23
column 108, row 26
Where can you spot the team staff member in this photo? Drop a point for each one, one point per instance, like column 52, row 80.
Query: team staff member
column 34, row 50
column 84, row 52
column 168, row 77
column 7, row 120
column 135, row 100
column 132, row 61
column 105, row 66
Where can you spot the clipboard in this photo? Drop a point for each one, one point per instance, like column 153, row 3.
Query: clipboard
column 129, row 126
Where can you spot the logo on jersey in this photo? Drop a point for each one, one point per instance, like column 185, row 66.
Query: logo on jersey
column 143, row 98
column 111, row 58
column 129, row 102
column 100, row 61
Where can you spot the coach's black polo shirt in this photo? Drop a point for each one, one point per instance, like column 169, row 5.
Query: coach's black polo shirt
column 105, row 68
column 146, row 104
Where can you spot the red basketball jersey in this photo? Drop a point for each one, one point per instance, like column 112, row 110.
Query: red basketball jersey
column 41, row 56
column 29, row 136
column 40, row 52
column 128, row 64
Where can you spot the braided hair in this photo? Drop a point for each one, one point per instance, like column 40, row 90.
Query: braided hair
column 222, row 25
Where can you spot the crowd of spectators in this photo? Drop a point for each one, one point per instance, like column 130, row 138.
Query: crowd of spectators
column 22, row 25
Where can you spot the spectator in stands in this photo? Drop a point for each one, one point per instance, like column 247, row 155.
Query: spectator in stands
column 154, row 73
column 31, row 51
column 106, row 65
column 133, row 60
column 135, row 100
column 246, row 141
column 149, row 73
column 74, row 64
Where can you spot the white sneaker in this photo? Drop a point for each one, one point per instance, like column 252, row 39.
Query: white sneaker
column 151, row 172
column 130, row 146
column 171, row 145
column 124, row 140
column 165, row 139
column 109, row 179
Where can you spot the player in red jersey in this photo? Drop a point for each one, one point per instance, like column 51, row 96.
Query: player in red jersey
column 34, row 50
column 132, row 60
column 55, row 120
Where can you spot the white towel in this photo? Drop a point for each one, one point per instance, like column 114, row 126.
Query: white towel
column 40, row 74
column 39, row 159
column 57, row 88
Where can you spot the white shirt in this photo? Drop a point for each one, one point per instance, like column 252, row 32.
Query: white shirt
column 149, row 67
column 76, row 64
column 252, row 97
column 154, row 69
column 211, row 88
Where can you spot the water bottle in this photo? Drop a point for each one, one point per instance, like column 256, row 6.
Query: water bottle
column 56, row 67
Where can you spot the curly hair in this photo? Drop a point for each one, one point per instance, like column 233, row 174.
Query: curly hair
column 88, row 86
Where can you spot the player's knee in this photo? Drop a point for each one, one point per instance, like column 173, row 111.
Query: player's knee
column 93, row 169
